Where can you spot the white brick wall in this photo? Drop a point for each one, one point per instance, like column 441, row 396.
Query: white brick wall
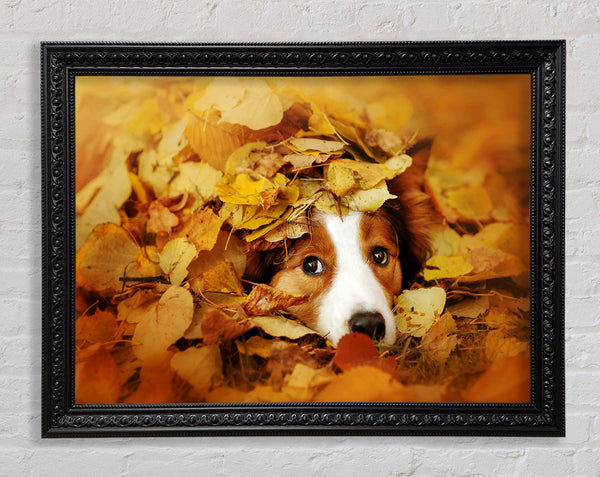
column 24, row 23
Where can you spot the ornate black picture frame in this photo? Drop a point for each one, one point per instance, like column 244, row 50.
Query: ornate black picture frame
column 544, row 61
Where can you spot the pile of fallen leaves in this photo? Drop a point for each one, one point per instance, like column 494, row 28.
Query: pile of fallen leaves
column 178, row 178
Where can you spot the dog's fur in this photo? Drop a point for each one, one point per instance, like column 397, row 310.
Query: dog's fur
column 351, row 266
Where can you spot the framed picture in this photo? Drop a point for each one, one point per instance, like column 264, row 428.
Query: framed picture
column 350, row 238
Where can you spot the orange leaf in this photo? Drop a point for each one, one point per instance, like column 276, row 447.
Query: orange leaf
column 357, row 349
column 97, row 379
column 365, row 383
column 100, row 327
column 506, row 380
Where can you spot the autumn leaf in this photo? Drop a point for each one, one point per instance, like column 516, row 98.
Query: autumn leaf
column 365, row 383
column 201, row 228
column 314, row 147
column 147, row 260
column 357, row 349
column 97, row 379
column 157, row 331
column 105, row 258
column 217, row 327
column 265, row 299
column 255, row 345
column 198, row 179
column 155, row 385
column 248, row 190
column 438, row 267
column 508, row 379
column 440, row 340
column 471, row 202
column 161, row 220
column 201, row 367
column 138, row 307
column 346, row 174
column 222, row 278
column 489, row 263
column 250, row 102
column 417, row 310
column 305, row 381
column 99, row 201
column 100, row 327
column 175, row 258
column 281, row 327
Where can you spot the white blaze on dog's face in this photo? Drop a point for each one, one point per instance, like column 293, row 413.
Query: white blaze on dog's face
column 349, row 269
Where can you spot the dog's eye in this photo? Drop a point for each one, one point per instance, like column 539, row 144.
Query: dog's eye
column 380, row 256
column 312, row 266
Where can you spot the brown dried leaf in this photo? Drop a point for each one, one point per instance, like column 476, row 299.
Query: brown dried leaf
column 220, row 328
column 101, row 327
column 265, row 299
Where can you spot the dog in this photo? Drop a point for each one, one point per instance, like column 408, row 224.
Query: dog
column 351, row 266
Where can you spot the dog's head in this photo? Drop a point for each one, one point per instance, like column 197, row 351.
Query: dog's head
column 350, row 267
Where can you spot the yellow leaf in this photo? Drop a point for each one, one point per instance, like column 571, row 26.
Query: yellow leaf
column 255, row 345
column 304, row 381
column 366, row 200
column 281, row 327
column 175, row 258
column 345, row 174
column 267, row 228
column 438, row 267
column 147, row 119
column 147, row 260
column 157, row 331
column 222, row 94
column 136, row 308
column 259, row 108
column 198, row 179
column 265, row 217
column 201, row 367
column 99, row 201
column 222, row 278
column 445, row 241
column 227, row 248
column 202, row 229
column 105, row 258
column 314, row 147
column 417, row 310
column 472, row 202
column 248, row 190
column 391, row 112
column 238, row 215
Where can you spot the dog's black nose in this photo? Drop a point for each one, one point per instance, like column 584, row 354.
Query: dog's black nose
column 370, row 323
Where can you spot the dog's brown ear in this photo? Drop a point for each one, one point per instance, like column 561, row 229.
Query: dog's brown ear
column 413, row 210
column 420, row 153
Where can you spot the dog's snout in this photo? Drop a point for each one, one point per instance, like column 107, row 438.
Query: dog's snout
column 371, row 323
